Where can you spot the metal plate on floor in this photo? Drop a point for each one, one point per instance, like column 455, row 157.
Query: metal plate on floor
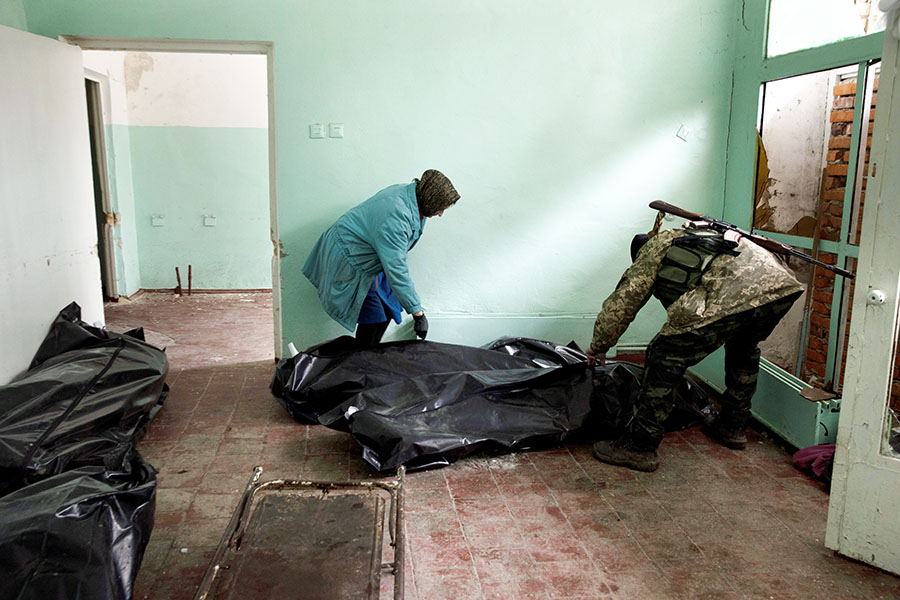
column 312, row 547
column 310, row 540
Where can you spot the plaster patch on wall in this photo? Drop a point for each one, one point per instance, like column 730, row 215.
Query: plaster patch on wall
column 136, row 64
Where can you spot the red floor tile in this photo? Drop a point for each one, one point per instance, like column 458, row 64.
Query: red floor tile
column 710, row 523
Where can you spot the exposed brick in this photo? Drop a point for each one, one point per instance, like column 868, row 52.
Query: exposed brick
column 835, row 181
column 829, row 208
column 843, row 102
column 821, row 281
column 834, row 222
column 845, row 89
column 815, row 356
column 818, row 320
column 841, row 116
column 817, row 343
column 820, row 308
column 837, row 169
column 839, row 142
column 816, row 331
column 816, row 368
column 841, row 129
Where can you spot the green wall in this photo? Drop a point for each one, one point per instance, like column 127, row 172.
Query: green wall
column 557, row 122
column 121, row 198
column 185, row 174
column 12, row 14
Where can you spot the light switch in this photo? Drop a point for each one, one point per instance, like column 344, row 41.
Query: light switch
column 157, row 221
column 336, row 130
column 316, row 130
column 683, row 133
column 209, row 221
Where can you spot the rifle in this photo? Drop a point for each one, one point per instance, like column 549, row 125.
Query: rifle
column 769, row 244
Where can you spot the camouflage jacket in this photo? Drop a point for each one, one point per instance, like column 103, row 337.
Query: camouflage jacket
column 731, row 284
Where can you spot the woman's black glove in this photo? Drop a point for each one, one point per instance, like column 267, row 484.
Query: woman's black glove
column 420, row 325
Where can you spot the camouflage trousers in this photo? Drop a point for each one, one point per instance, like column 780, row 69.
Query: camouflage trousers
column 669, row 356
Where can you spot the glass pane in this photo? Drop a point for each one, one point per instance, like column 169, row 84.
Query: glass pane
column 862, row 168
column 844, row 332
column 891, row 446
column 797, row 127
column 800, row 24
column 820, row 290
column 783, row 346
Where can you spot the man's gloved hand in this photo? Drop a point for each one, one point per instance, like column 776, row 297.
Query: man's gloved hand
column 420, row 325
column 595, row 358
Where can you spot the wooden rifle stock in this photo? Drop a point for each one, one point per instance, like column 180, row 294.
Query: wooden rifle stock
column 764, row 242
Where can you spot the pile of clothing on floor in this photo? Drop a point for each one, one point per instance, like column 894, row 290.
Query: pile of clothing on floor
column 425, row 404
column 77, row 501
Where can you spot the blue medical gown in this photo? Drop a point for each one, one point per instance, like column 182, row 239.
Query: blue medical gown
column 370, row 238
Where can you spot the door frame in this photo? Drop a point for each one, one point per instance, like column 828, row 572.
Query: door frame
column 219, row 47
column 862, row 522
column 96, row 86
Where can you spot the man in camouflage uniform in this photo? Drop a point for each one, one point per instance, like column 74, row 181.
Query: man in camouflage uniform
column 737, row 303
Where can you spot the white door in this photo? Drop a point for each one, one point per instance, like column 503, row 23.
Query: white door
column 863, row 516
column 48, row 235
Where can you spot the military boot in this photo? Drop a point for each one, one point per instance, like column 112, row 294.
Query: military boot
column 730, row 436
column 626, row 453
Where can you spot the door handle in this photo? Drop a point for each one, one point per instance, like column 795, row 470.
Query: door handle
column 875, row 297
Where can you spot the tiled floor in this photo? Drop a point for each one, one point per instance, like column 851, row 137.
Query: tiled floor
column 711, row 523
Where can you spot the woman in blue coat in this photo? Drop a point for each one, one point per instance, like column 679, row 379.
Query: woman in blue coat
column 359, row 263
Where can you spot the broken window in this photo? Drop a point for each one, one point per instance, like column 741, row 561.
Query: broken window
column 812, row 167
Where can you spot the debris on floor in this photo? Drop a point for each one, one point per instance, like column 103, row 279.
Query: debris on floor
column 816, row 460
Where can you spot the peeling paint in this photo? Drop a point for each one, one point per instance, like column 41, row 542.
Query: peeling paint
column 136, row 64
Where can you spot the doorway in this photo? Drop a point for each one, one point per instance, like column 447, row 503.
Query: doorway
column 181, row 222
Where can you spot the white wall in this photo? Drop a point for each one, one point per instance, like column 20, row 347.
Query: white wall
column 48, row 238
column 182, row 89
column 795, row 127
column 187, row 137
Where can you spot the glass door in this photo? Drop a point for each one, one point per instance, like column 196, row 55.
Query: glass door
column 863, row 520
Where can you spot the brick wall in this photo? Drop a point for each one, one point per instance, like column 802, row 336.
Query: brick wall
column 832, row 215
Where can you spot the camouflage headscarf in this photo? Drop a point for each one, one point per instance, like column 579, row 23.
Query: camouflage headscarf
column 434, row 192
